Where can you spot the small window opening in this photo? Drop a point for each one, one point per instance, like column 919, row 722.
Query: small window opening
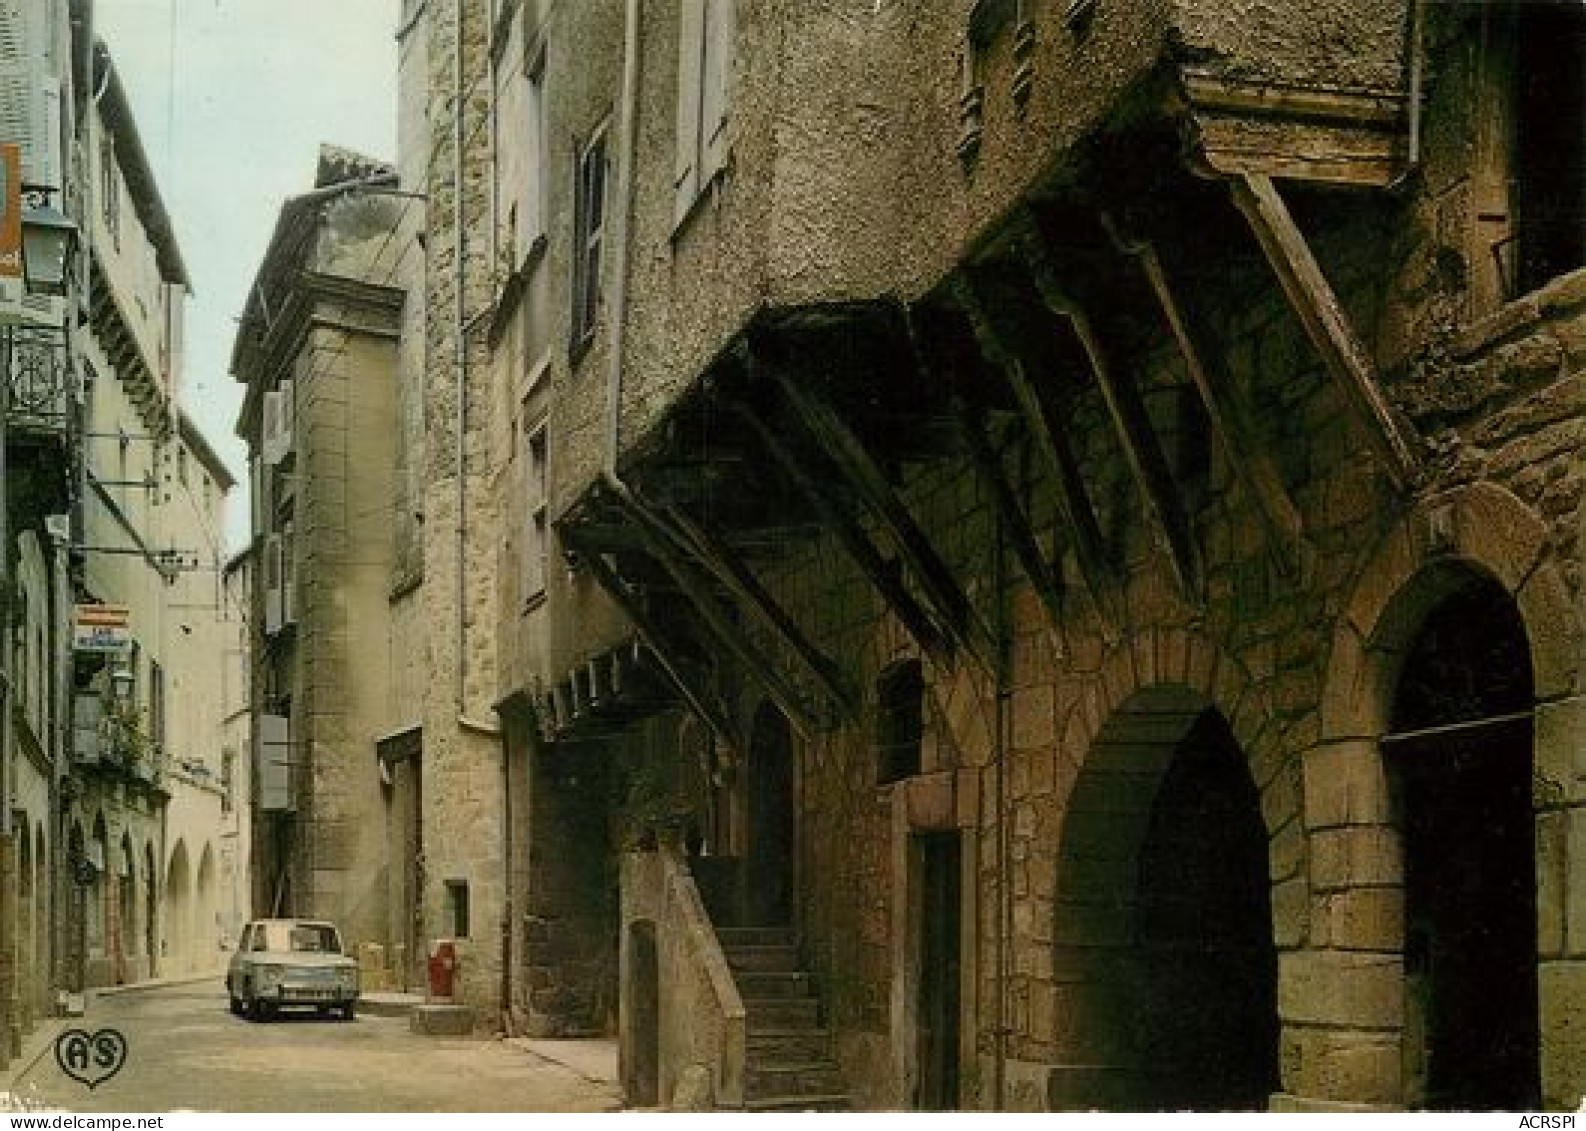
column 900, row 721
column 457, row 907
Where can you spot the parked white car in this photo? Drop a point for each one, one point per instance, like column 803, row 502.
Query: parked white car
column 291, row 963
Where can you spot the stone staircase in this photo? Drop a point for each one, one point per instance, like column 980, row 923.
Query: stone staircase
column 790, row 1065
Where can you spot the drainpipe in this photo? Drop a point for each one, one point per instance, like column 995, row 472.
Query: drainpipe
column 619, row 271
column 1415, row 83
column 460, row 352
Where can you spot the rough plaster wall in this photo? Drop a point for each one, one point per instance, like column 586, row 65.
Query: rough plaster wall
column 1330, row 43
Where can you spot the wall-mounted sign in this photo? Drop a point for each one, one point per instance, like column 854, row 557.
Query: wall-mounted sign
column 101, row 628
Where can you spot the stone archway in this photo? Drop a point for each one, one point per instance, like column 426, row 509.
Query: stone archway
column 1369, row 812
column 1164, row 952
column 205, row 946
column 125, row 874
column 178, row 911
column 43, row 931
column 27, row 971
column 151, row 912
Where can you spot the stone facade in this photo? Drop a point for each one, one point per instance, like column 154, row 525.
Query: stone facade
column 1014, row 519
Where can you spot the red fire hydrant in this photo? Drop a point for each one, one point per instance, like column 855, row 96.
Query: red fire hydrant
column 443, row 969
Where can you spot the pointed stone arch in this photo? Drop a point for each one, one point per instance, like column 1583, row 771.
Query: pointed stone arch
column 1167, row 705
column 1475, row 535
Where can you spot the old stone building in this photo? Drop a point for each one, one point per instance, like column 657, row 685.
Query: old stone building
column 1026, row 553
column 317, row 350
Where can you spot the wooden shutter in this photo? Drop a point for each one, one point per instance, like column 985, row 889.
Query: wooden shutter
column 22, row 102
column 690, row 75
column 717, row 87
column 275, row 764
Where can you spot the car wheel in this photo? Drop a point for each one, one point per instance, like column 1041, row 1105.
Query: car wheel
column 236, row 1005
column 349, row 1010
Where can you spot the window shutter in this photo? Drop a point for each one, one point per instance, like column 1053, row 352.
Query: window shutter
column 275, row 764
column 86, row 713
column 690, row 68
column 272, row 584
column 22, row 98
column 714, row 98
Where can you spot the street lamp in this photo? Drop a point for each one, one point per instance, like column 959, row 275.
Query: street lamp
column 49, row 237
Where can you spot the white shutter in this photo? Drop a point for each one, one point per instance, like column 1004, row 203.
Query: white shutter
column 690, row 67
column 287, row 410
column 270, row 430
column 289, row 577
column 275, row 764
column 22, row 105
column 272, row 585
column 86, row 713
column 717, row 87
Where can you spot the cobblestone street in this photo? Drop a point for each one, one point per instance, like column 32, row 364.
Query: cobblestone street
column 186, row 1052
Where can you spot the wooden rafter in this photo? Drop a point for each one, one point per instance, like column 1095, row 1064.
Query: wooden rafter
column 1130, row 421
column 1042, row 421
column 662, row 546
column 1325, row 321
column 882, row 573
column 1226, row 411
column 729, row 570
column 698, row 699
column 855, row 463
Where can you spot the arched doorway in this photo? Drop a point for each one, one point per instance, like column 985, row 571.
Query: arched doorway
column 1163, row 927
column 205, row 948
column 27, row 924
column 104, row 940
column 178, row 910
column 125, row 870
column 151, row 911
column 1459, row 761
column 43, row 920
column 769, row 860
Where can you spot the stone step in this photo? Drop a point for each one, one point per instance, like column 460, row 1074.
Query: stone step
column 782, row 1013
column 794, row 1078
column 835, row 1101
column 766, row 1045
column 773, row 983
column 782, row 957
column 731, row 937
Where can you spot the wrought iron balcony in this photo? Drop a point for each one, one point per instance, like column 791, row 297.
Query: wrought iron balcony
column 38, row 372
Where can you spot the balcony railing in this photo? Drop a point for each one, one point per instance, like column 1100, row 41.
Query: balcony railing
column 39, row 375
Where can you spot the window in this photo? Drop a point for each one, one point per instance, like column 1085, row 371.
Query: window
column 457, row 907
column 156, row 705
column 529, row 210
column 704, row 74
column 109, row 188
column 181, row 465
column 1550, row 121
column 536, row 533
column 589, row 221
column 900, row 721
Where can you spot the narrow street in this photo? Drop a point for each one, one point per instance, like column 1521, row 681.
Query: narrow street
column 186, row 1052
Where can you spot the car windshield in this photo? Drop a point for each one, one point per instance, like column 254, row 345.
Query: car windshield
column 303, row 938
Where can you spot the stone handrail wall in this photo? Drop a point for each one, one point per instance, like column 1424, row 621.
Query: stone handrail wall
column 709, row 1025
column 703, row 1024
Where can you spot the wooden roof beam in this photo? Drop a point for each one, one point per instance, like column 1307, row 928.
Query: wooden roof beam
column 699, row 701
column 1142, row 452
column 1044, row 424
column 1326, row 323
column 661, row 545
column 1227, row 412
column 856, row 465
column 882, row 573
column 733, row 575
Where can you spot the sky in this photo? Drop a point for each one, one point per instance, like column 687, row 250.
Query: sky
column 233, row 98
